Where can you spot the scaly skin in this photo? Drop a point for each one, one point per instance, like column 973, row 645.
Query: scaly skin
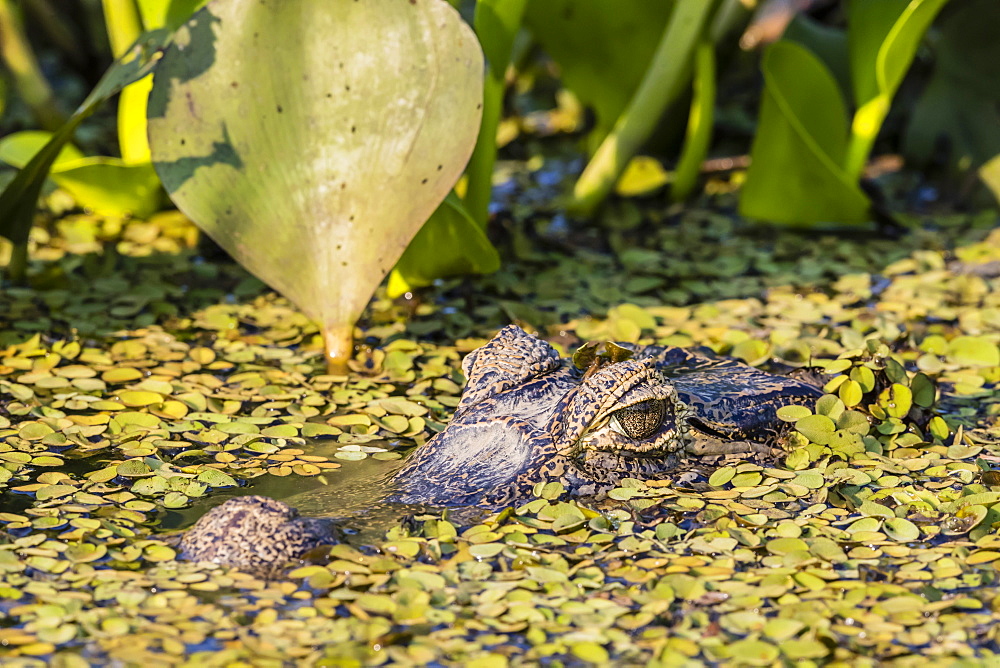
column 528, row 416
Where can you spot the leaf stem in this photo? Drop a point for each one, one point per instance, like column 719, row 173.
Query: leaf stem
column 339, row 341
column 17, row 268
column 699, row 128
column 663, row 82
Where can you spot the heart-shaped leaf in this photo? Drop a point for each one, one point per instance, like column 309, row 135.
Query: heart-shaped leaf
column 313, row 139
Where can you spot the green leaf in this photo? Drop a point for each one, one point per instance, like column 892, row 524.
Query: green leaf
column 817, row 428
column 216, row 478
column 796, row 175
column 356, row 126
column 901, row 530
column 793, row 413
column 663, row 83
column 107, row 186
column 883, row 38
column 871, row 24
column 973, row 351
column 20, row 197
column 850, row 392
column 590, row 652
column 642, row 175
column 827, row 43
column 961, row 101
column 497, row 23
column 896, row 400
column 989, row 174
column 449, row 244
column 938, row 428
column 19, row 148
column 722, row 476
column 700, row 119
column 111, row 187
column 603, row 48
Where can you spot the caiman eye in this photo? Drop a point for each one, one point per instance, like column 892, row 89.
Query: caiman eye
column 639, row 420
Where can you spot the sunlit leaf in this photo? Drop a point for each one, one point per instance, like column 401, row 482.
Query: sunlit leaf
column 603, row 48
column 19, row 198
column 317, row 165
column 107, row 186
column 448, row 244
column 643, row 175
column 990, row 175
column 883, row 38
column 19, row 148
column 795, row 176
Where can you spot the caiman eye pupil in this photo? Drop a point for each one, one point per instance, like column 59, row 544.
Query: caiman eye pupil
column 641, row 420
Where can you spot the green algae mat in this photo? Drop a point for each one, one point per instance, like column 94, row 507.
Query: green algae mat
column 141, row 384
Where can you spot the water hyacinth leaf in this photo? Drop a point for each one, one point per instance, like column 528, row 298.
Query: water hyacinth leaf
column 355, row 128
column 603, row 48
column 827, row 42
column 450, row 243
column 19, row 198
column 698, row 135
column 662, row 84
column 882, row 39
column 110, row 186
column 642, row 175
column 989, row 174
column 19, row 148
column 796, row 174
column 961, row 102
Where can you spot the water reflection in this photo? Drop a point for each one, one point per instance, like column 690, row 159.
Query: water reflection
column 357, row 496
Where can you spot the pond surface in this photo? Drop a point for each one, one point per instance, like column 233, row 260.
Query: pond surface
column 130, row 404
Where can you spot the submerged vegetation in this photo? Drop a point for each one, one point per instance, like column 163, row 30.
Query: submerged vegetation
column 145, row 376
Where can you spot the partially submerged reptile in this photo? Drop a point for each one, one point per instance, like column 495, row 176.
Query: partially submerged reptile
column 529, row 416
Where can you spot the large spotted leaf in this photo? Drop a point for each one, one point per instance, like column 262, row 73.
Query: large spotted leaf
column 313, row 139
